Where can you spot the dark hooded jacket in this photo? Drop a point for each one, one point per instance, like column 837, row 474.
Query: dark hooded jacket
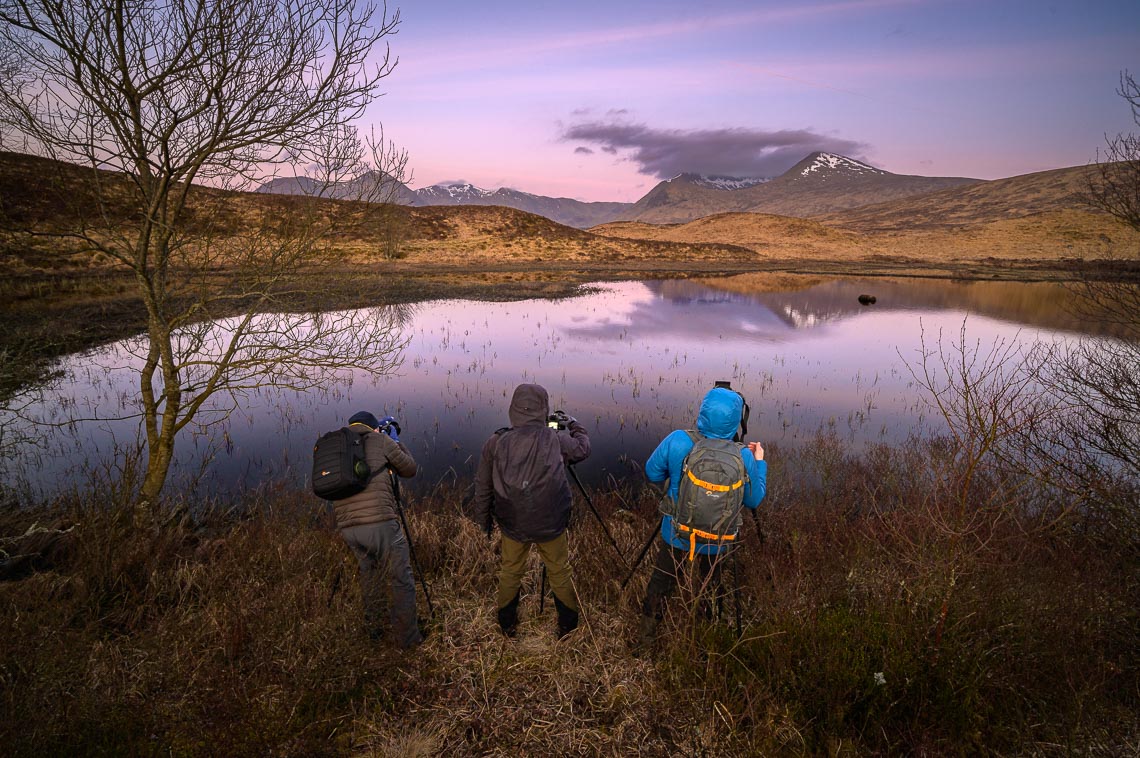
column 521, row 480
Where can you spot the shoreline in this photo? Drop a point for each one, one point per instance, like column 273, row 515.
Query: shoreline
column 47, row 315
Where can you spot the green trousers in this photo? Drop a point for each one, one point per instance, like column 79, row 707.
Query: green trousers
column 555, row 556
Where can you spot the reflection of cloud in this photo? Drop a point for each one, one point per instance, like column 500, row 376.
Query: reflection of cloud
column 664, row 153
column 689, row 312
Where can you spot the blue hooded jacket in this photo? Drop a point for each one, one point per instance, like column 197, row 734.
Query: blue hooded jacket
column 719, row 418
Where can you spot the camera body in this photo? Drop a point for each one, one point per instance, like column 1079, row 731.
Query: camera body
column 387, row 427
column 558, row 420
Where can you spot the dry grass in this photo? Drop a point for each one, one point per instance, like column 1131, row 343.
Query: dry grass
column 884, row 621
column 1057, row 235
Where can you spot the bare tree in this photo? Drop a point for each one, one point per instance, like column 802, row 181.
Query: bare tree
column 155, row 98
column 1115, row 186
column 1099, row 379
column 373, row 171
column 1066, row 414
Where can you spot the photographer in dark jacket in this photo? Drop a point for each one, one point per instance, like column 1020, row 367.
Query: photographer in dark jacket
column 521, row 483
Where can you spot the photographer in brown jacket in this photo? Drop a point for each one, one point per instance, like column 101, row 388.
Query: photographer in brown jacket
column 369, row 524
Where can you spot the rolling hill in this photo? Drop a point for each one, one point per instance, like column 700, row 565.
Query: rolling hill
column 1038, row 216
column 40, row 199
column 981, row 202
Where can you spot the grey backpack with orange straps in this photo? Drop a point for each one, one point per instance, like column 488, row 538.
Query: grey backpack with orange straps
column 710, row 499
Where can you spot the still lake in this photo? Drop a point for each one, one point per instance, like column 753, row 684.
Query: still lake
column 631, row 360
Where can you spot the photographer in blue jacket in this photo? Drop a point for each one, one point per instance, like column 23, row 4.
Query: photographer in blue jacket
column 721, row 413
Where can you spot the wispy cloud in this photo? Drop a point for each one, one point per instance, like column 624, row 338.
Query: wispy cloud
column 510, row 50
column 664, row 153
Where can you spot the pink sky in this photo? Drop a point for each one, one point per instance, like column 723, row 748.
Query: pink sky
column 487, row 92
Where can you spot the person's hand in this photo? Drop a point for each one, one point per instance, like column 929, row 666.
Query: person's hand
column 757, row 450
column 391, row 427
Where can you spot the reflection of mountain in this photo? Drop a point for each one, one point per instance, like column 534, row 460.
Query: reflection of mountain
column 799, row 309
column 1035, row 304
column 691, row 309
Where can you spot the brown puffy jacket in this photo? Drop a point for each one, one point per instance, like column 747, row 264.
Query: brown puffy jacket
column 376, row 502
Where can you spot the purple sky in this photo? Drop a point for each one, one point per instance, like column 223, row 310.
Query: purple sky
column 599, row 101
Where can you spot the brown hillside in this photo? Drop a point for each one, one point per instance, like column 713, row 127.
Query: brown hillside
column 1015, row 197
column 1052, row 236
column 768, row 235
column 40, row 197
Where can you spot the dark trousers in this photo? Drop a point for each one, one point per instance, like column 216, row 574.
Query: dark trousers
column 555, row 556
column 702, row 575
column 382, row 552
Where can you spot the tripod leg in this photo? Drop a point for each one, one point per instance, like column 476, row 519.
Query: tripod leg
column 593, row 510
column 542, row 591
column 411, row 545
column 641, row 555
column 736, row 594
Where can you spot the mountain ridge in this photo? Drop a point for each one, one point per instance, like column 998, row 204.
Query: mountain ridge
column 820, row 183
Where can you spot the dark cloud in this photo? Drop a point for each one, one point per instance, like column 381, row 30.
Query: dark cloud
column 664, row 153
column 583, row 151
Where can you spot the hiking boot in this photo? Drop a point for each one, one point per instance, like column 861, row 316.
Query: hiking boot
column 646, row 635
column 509, row 617
column 567, row 618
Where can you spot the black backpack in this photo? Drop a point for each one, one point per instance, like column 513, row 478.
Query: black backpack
column 339, row 467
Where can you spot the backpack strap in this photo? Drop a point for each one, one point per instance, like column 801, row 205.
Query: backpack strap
column 694, row 533
column 364, row 449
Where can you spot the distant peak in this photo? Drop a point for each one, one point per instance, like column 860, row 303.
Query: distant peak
column 830, row 162
column 457, row 190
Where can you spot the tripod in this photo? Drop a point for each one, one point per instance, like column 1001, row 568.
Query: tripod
column 411, row 545
column 601, row 523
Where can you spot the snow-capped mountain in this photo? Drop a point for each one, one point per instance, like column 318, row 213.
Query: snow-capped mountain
column 820, row 183
column 561, row 209
column 727, row 183
column 824, row 163
column 453, row 193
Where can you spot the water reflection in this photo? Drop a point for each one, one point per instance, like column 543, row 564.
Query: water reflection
column 630, row 360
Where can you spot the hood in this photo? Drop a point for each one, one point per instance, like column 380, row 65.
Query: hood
column 530, row 403
column 720, row 413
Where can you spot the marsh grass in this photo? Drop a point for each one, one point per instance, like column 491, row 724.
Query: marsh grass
column 880, row 615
